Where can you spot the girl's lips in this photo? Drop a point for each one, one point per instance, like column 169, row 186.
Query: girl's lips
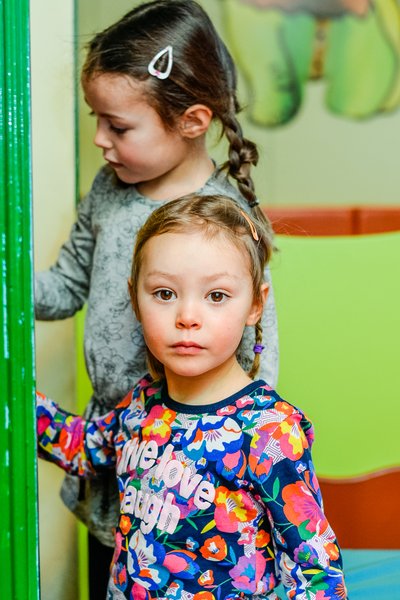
column 190, row 348
column 113, row 164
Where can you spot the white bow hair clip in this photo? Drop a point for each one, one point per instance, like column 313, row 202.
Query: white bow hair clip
column 161, row 74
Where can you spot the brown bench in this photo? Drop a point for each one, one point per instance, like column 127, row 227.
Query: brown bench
column 333, row 221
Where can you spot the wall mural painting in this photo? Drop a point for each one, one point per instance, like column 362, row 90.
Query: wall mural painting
column 352, row 45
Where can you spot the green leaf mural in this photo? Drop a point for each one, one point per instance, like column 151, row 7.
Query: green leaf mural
column 360, row 65
column 275, row 45
column 274, row 51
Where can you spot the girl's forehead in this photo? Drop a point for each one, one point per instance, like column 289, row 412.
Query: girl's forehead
column 114, row 83
column 197, row 245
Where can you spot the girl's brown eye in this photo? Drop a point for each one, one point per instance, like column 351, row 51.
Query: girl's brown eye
column 217, row 297
column 164, row 295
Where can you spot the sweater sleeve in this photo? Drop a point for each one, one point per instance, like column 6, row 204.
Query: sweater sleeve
column 63, row 289
column 306, row 550
column 78, row 446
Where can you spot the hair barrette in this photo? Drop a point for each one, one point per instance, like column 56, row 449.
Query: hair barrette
column 252, row 226
column 258, row 348
column 156, row 72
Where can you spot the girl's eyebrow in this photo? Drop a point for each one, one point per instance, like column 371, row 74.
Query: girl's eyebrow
column 212, row 277
column 107, row 115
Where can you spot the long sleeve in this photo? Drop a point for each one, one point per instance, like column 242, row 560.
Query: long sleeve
column 78, row 446
column 307, row 554
column 62, row 290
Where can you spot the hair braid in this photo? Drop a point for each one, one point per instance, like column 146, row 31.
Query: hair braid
column 242, row 155
column 256, row 360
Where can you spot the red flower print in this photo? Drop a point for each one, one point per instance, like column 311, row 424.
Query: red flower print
column 125, row 524
column 332, row 550
column 71, row 437
column 214, row 548
column 204, row 596
column 263, row 538
column 206, row 578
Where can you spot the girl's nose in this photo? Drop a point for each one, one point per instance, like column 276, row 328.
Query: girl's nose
column 188, row 317
column 101, row 139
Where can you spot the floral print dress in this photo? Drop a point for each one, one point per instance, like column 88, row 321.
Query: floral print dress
column 216, row 502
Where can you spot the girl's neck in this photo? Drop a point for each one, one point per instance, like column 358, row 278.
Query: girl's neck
column 187, row 177
column 208, row 388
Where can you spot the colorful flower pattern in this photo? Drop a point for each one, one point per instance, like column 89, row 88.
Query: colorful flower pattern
column 215, row 505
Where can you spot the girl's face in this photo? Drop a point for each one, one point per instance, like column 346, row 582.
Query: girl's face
column 130, row 132
column 194, row 298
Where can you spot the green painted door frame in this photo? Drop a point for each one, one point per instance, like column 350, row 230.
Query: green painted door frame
column 19, row 561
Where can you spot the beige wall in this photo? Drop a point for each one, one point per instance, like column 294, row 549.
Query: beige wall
column 53, row 192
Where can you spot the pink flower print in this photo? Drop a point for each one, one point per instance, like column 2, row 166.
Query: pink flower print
column 181, row 563
column 186, row 507
column 288, row 432
column 118, row 546
column 138, row 592
column 301, row 508
column 259, row 461
column 248, row 574
column 306, row 555
column 226, row 410
column 232, row 508
column 42, row 423
column 245, row 401
column 233, row 465
column 320, row 595
column 157, row 425
column 267, row 387
column 247, row 535
column 151, row 391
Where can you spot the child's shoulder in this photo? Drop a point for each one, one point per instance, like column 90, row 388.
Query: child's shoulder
column 144, row 388
column 263, row 397
column 220, row 184
column 262, row 409
column 105, row 177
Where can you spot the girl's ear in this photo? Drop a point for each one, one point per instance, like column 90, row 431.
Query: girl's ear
column 133, row 299
column 195, row 121
column 258, row 306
